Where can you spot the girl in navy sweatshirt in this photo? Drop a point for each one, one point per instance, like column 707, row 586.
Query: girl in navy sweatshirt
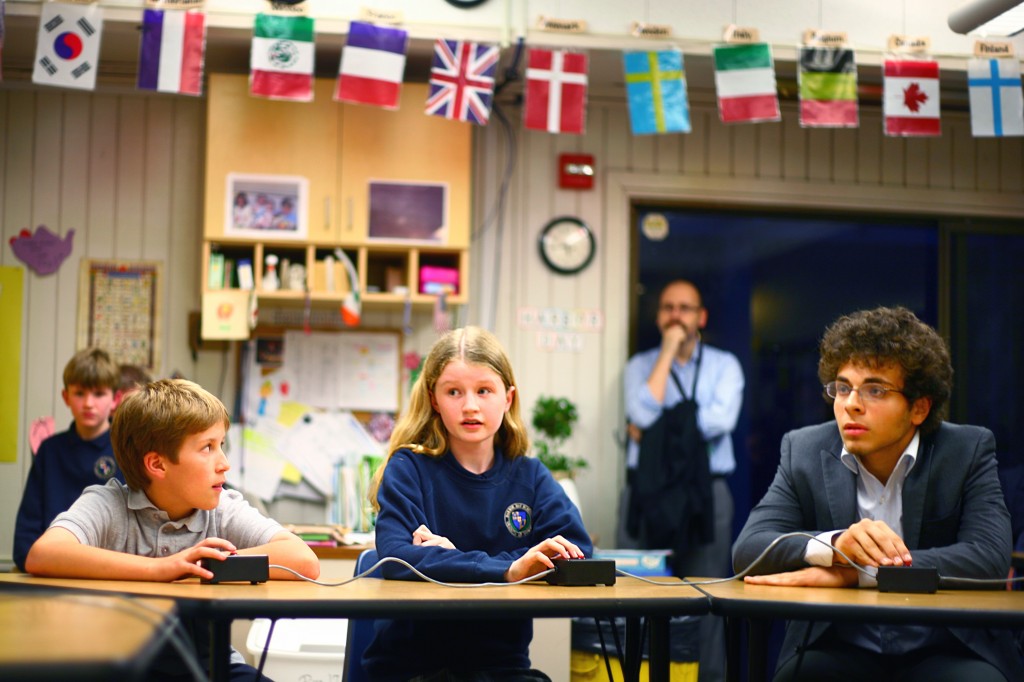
column 458, row 499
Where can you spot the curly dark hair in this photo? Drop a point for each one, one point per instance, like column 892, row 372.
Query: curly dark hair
column 884, row 336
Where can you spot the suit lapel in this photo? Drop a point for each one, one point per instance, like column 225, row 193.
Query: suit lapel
column 840, row 486
column 915, row 489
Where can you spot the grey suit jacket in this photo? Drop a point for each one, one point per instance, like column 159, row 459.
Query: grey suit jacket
column 954, row 518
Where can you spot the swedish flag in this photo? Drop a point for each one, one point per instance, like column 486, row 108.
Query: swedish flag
column 656, row 92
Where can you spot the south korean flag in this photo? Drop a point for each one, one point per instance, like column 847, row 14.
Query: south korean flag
column 68, row 48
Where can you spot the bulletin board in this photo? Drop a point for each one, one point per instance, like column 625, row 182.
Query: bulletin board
column 119, row 310
column 337, row 369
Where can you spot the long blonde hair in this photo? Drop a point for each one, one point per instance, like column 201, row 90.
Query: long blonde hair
column 421, row 430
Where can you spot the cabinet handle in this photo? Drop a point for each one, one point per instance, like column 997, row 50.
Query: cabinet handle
column 348, row 214
column 327, row 214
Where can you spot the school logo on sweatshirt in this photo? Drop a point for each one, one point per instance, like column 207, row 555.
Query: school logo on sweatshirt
column 105, row 467
column 519, row 519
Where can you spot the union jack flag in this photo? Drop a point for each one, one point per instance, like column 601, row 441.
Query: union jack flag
column 462, row 81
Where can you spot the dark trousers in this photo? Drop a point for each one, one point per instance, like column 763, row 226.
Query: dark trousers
column 712, row 560
column 836, row 661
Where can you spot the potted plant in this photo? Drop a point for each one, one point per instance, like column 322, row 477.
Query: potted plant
column 553, row 419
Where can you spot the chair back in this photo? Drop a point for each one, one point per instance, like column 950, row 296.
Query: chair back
column 360, row 631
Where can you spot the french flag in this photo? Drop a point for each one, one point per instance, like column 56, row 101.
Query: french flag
column 372, row 65
column 171, row 56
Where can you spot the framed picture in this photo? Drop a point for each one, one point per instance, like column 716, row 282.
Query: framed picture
column 119, row 310
column 267, row 206
column 409, row 211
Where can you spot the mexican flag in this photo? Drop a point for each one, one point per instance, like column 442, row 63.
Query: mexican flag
column 745, row 81
column 282, row 58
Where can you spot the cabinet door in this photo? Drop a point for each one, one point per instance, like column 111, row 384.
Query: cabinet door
column 403, row 145
column 250, row 135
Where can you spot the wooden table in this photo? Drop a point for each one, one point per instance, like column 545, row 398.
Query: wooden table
column 79, row 636
column 759, row 604
column 374, row 598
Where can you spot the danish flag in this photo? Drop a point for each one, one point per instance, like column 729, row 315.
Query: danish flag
column 462, row 81
column 556, row 91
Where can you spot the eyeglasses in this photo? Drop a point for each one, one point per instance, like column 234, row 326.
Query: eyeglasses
column 869, row 393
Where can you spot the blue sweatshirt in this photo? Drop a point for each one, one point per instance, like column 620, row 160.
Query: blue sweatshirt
column 64, row 466
column 492, row 519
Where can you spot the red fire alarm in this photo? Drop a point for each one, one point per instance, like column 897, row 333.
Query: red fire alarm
column 576, row 171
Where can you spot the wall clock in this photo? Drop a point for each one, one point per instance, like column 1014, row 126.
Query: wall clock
column 465, row 4
column 567, row 245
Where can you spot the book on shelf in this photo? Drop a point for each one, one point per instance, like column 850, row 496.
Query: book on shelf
column 245, row 276
column 229, row 274
column 215, row 275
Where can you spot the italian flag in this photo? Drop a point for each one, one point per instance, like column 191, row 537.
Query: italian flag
column 745, row 81
column 282, row 58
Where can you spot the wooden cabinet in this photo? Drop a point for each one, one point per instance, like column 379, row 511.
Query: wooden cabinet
column 253, row 136
column 339, row 150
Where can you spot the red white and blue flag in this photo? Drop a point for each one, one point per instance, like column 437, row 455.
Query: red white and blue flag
column 462, row 81
column 172, row 50
column 372, row 65
column 556, row 91
column 68, row 47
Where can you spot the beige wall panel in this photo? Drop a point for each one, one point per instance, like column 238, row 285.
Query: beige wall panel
column 130, row 179
column 100, row 242
column 965, row 158
column 1011, row 170
column 869, row 147
column 183, row 165
column 939, row 172
column 641, row 151
column 157, row 169
column 894, row 156
column 744, row 149
column 844, row 155
column 719, row 146
column 917, row 157
column 616, row 146
column 794, row 150
column 769, row 147
column 695, row 153
column 668, row 153
column 821, row 155
column 987, row 163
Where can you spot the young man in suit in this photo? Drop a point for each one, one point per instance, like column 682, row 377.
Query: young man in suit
column 888, row 484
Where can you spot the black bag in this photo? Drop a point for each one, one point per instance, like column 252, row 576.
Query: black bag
column 671, row 504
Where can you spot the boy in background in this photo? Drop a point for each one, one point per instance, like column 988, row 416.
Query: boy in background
column 174, row 511
column 69, row 461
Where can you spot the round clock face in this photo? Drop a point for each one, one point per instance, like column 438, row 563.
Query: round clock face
column 465, row 4
column 567, row 245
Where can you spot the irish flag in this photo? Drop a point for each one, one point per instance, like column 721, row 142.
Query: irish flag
column 745, row 81
column 282, row 58
column 910, row 98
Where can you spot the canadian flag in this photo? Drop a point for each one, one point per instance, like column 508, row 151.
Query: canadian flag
column 911, row 98
column 556, row 91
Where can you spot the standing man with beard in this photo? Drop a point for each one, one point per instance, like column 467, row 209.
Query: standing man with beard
column 713, row 378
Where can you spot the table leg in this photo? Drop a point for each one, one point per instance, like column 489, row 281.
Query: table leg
column 757, row 649
column 220, row 649
column 733, row 631
column 660, row 666
column 634, row 653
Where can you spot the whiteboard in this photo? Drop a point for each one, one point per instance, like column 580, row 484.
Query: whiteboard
column 345, row 369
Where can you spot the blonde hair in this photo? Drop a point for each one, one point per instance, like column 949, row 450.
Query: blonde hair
column 421, row 430
column 92, row 368
column 158, row 418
